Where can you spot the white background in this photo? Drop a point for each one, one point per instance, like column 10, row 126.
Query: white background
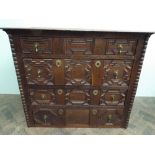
column 130, row 15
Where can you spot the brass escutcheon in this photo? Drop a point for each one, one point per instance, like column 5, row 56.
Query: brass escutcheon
column 58, row 63
column 98, row 63
column 60, row 91
column 95, row 92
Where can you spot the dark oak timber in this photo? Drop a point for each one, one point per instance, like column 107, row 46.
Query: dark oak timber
column 77, row 78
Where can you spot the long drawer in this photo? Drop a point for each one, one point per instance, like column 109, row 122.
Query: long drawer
column 77, row 72
column 39, row 45
column 77, row 117
column 78, row 96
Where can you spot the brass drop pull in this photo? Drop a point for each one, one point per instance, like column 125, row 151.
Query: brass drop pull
column 58, row 63
column 36, row 46
column 109, row 118
column 94, row 111
column 98, row 63
column 120, row 47
column 38, row 72
column 43, row 96
column 95, row 92
column 60, row 91
column 45, row 118
column 60, row 111
column 115, row 74
column 112, row 97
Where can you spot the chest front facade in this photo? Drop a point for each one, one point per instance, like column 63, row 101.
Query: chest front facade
column 77, row 79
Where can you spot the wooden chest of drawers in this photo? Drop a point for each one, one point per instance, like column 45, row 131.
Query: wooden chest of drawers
column 75, row 78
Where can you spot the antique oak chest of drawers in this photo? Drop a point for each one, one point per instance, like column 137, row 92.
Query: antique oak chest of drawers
column 77, row 78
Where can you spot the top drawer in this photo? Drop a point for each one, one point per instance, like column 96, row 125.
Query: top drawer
column 77, row 46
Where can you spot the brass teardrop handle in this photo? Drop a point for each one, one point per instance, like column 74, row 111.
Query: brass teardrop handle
column 112, row 97
column 60, row 91
column 98, row 63
column 36, row 46
column 60, row 111
column 43, row 96
column 120, row 47
column 58, row 63
column 38, row 72
column 45, row 118
column 109, row 118
column 94, row 112
column 95, row 92
column 115, row 74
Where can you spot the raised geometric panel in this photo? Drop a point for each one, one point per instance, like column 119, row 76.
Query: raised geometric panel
column 49, row 116
column 78, row 45
column 77, row 116
column 77, row 97
column 42, row 97
column 116, row 72
column 112, row 97
column 121, row 46
column 36, row 44
column 77, row 72
column 106, row 117
column 39, row 71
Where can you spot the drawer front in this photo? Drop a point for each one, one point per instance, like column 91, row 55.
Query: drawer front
column 116, row 72
column 77, row 117
column 49, row 116
column 39, row 71
column 78, row 45
column 78, row 72
column 77, row 97
column 108, row 97
column 47, row 96
column 36, row 45
column 113, row 97
column 44, row 71
column 106, row 117
column 121, row 47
